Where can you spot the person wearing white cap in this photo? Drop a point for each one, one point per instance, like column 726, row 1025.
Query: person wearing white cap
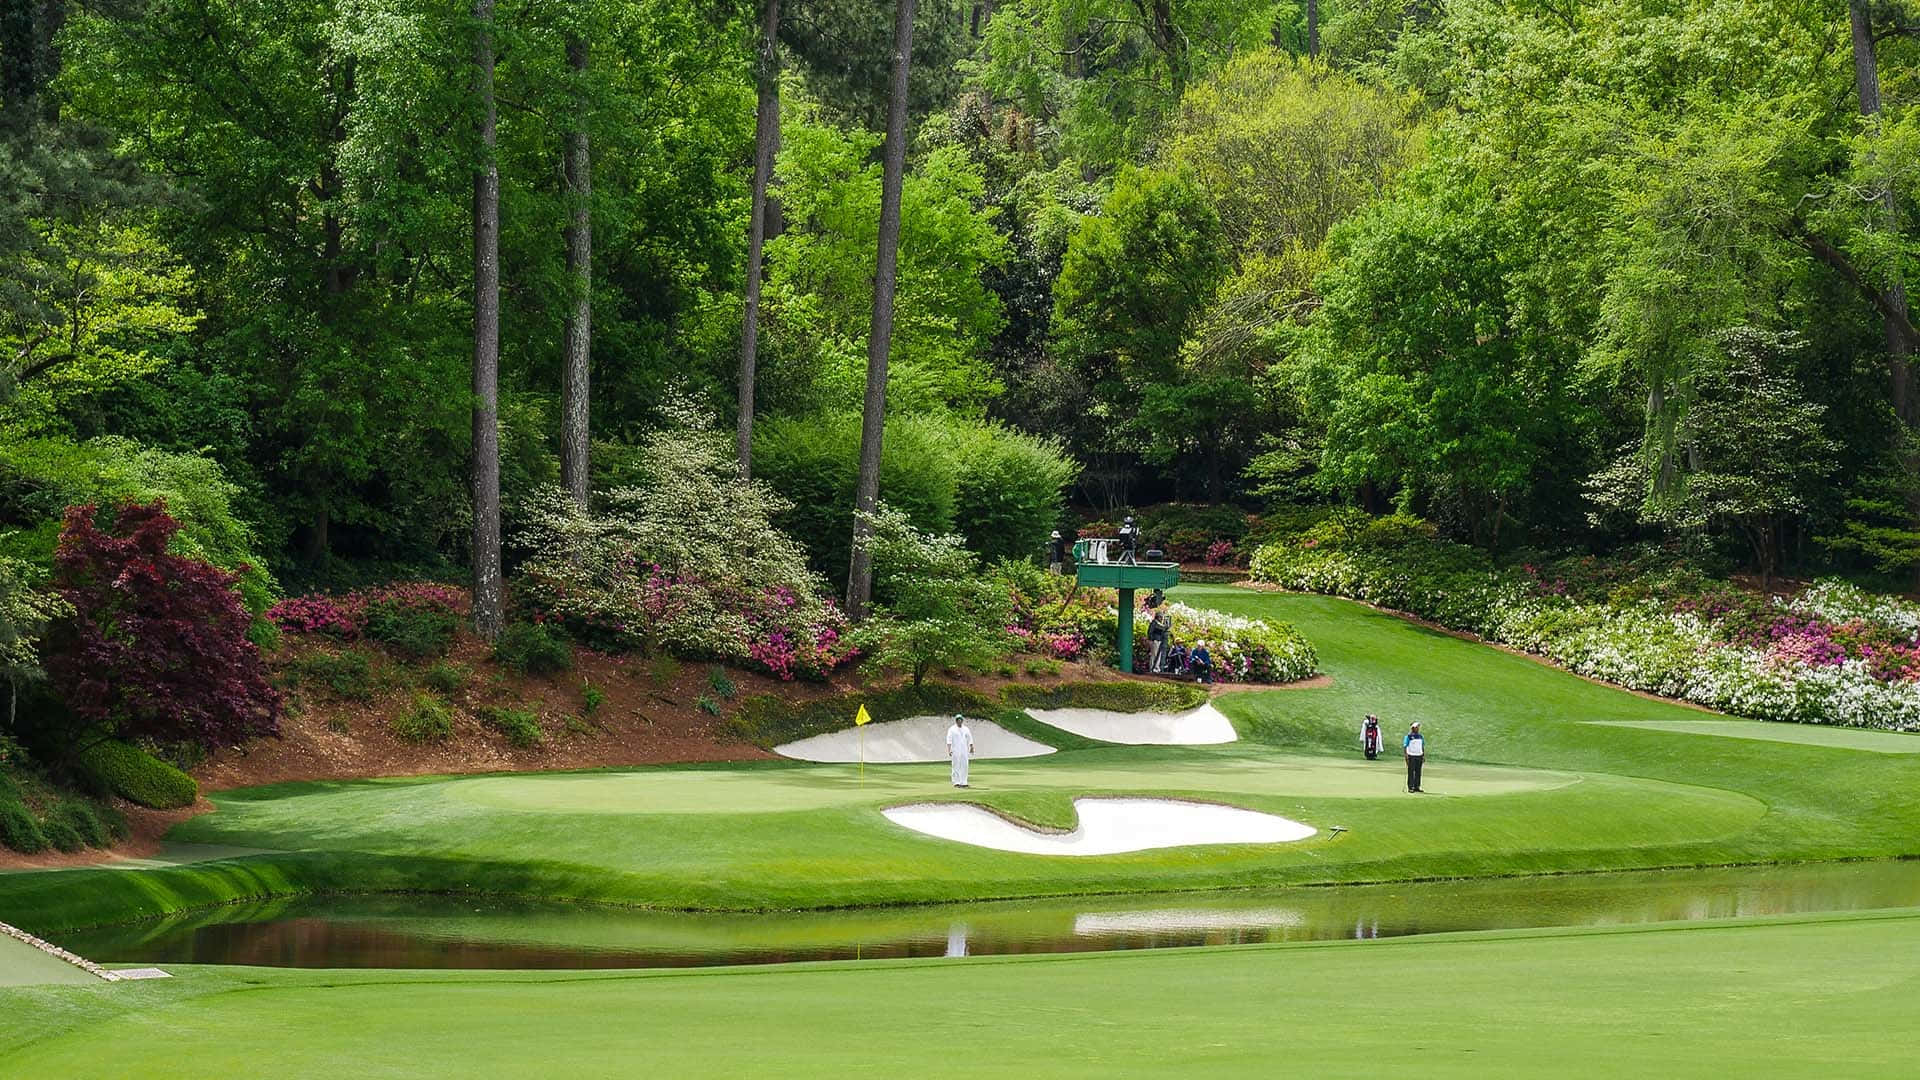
column 1415, row 748
column 959, row 749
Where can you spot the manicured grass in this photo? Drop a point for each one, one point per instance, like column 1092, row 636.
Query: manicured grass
column 1879, row 742
column 1532, row 770
column 23, row 965
column 1816, row 997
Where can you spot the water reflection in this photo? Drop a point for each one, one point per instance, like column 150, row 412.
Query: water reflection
column 453, row 932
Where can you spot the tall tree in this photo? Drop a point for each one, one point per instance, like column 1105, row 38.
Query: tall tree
column 488, row 613
column 874, row 412
column 766, row 135
column 1866, row 80
column 575, row 370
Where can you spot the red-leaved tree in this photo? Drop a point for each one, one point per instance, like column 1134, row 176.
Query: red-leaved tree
column 157, row 644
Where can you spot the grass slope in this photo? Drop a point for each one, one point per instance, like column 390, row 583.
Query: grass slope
column 1534, row 770
column 1800, row 998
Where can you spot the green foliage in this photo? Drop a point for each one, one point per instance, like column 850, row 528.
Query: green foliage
column 1137, row 274
column 998, row 488
column 521, row 727
column 446, row 677
column 688, row 561
column 820, row 271
column 706, row 704
column 768, row 720
column 347, row 674
column 533, row 649
column 592, row 699
column 428, row 721
column 936, row 606
column 719, row 683
column 19, row 830
column 137, row 776
column 414, row 631
column 40, row 478
column 1118, row 696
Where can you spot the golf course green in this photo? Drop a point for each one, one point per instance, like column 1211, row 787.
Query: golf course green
column 1531, row 770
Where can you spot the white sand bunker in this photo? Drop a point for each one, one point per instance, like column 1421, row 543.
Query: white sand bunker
column 917, row 738
column 1195, row 727
column 1107, row 826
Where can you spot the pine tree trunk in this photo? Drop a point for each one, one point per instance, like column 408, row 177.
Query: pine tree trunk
column 576, row 373
column 1313, row 28
column 487, row 609
column 766, row 136
column 874, row 416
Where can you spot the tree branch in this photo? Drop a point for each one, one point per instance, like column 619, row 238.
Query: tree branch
column 1836, row 259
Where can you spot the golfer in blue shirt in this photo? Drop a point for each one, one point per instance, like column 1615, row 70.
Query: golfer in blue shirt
column 1415, row 749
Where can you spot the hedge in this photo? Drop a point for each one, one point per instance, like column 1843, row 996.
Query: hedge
column 137, row 776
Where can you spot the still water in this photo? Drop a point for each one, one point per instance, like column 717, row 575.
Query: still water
column 455, row 932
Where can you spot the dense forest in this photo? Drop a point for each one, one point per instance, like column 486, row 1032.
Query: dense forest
column 325, row 294
column 1543, row 273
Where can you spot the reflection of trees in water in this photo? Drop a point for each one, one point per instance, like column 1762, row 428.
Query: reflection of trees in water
column 388, row 932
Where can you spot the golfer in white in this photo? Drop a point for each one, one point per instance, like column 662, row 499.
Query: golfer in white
column 959, row 749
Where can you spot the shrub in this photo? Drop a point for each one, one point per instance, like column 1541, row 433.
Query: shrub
column 935, row 607
column 62, row 835
column 1212, row 522
column 707, row 705
column 1006, row 487
column 533, row 649
column 717, row 680
column 688, row 563
column 520, row 726
column 429, row 721
column 813, row 463
column 41, row 478
column 157, row 643
column 1245, row 650
column 1116, row 696
column 415, row 629
column 18, row 829
column 347, row 674
column 95, row 830
column 769, row 720
column 591, row 698
column 445, row 677
column 137, row 776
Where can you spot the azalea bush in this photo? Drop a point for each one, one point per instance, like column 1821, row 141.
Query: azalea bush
column 1048, row 616
column 686, row 561
column 1832, row 655
column 1243, row 649
column 380, row 613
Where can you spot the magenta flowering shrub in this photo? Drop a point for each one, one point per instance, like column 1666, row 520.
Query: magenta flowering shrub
column 344, row 616
column 1220, row 553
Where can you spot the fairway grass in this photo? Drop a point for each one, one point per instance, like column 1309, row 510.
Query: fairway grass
column 1774, row 998
column 1531, row 770
column 1839, row 738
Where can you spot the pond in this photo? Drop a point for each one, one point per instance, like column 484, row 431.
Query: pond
column 410, row 931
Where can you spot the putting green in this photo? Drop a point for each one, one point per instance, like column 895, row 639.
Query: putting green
column 774, row 790
column 1879, row 742
column 1809, row 998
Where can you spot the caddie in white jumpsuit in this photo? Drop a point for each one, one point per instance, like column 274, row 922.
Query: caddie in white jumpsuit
column 959, row 749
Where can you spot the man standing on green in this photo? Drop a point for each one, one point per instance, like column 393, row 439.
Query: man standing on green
column 1415, row 749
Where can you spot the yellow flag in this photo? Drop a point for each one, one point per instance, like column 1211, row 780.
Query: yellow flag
column 861, row 717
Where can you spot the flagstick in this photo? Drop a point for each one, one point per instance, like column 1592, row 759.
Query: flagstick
column 863, row 756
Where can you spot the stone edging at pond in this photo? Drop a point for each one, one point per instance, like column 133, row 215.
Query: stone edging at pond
column 57, row 952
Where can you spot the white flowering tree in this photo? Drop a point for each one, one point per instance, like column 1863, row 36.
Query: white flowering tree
column 934, row 607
